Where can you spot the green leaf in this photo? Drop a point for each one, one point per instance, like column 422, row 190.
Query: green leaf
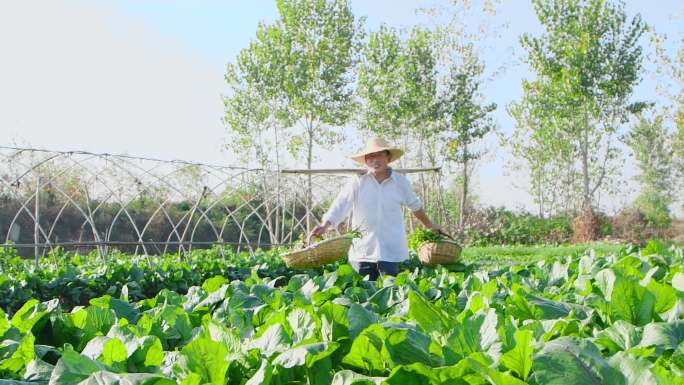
column 384, row 299
column 336, row 316
column 263, row 374
column 15, row 382
column 629, row 266
column 519, row 359
column 476, row 334
column 305, row 354
column 366, row 351
column 416, row 373
column 110, row 351
column 359, row 318
column 663, row 335
column 5, row 324
column 558, row 274
column 170, row 323
column 636, row 370
column 653, row 247
column 407, row 346
column 95, row 347
column 429, row 317
column 348, row 377
column 605, row 281
column 678, row 281
column 570, row 360
column 38, row 371
column 621, row 335
column 302, row 324
column 31, row 313
column 192, row 379
column 522, row 309
column 122, row 309
column 21, row 357
column 493, row 376
column 214, row 283
column 320, row 372
column 677, row 358
column 205, row 358
column 109, row 378
column 228, row 337
column 665, row 296
column 550, row 309
column 73, row 368
column 472, row 370
column 143, row 352
column 632, row 302
column 93, row 321
column 150, row 353
column 114, row 351
column 274, row 340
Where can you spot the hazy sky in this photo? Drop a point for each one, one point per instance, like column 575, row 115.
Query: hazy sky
column 146, row 77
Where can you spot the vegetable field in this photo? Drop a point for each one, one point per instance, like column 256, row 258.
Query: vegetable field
column 207, row 319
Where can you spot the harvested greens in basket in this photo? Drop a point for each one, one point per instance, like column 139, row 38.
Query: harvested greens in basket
column 301, row 242
column 420, row 236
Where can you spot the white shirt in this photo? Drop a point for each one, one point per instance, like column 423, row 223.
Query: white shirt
column 376, row 213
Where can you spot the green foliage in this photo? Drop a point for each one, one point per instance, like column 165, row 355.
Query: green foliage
column 353, row 234
column 75, row 279
column 466, row 120
column 296, row 73
column 679, row 123
column 653, row 149
column 655, row 206
column 519, row 359
column 302, row 241
column 420, row 236
column 651, row 145
column 499, row 226
column 580, row 318
column 587, row 63
column 397, row 83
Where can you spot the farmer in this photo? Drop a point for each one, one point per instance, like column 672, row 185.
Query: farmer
column 375, row 199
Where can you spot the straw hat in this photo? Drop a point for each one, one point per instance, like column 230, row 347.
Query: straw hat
column 377, row 145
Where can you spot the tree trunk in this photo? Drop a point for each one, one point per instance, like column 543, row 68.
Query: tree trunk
column 423, row 185
column 584, row 149
column 585, row 226
column 276, row 214
column 464, row 191
column 309, row 192
column 540, row 192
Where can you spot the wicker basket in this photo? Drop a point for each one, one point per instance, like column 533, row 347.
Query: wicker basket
column 324, row 252
column 439, row 253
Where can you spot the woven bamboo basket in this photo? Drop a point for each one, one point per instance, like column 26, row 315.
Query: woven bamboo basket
column 439, row 253
column 319, row 254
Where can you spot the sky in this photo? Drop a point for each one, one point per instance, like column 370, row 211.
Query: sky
column 145, row 78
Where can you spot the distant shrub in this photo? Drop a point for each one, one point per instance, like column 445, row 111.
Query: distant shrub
column 630, row 225
column 490, row 226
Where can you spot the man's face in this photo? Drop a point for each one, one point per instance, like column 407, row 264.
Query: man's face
column 377, row 161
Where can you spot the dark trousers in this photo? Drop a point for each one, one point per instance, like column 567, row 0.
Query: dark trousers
column 374, row 269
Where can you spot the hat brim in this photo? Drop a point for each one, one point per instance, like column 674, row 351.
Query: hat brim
column 395, row 153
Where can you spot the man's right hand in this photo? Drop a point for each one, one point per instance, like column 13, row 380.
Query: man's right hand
column 320, row 229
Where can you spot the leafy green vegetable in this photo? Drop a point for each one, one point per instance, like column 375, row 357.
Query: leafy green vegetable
column 420, row 236
column 569, row 360
column 519, row 359
column 574, row 319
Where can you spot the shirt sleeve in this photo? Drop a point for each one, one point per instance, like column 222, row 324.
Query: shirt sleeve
column 410, row 199
column 342, row 204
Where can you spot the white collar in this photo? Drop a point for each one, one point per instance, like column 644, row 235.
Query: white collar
column 390, row 177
